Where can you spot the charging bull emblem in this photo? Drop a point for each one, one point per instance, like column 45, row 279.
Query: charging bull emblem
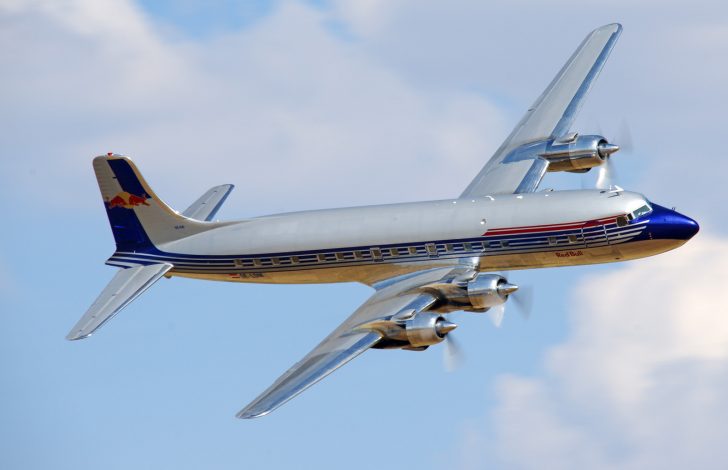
column 127, row 200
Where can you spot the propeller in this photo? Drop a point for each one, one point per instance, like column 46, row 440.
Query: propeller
column 607, row 176
column 452, row 354
column 522, row 298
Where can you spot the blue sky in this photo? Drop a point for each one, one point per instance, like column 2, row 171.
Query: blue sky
column 321, row 104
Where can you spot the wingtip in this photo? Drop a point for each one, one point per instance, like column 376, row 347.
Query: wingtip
column 76, row 336
column 616, row 27
column 250, row 414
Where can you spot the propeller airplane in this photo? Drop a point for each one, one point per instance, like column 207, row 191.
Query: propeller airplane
column 423, row 260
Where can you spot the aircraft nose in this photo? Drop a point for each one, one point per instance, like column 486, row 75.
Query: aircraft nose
column 688, row 227
column 673, row 225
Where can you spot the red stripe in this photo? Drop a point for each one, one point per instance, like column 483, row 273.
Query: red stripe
column 550, row 228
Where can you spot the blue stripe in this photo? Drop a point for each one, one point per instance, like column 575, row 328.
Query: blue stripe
column 516, row 244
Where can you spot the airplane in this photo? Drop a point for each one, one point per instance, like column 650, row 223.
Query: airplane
column 424, row 260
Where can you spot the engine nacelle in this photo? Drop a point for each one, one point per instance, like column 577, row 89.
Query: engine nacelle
column 488, row 290
column 578, row 153
column 408, row 329
column 425, row 329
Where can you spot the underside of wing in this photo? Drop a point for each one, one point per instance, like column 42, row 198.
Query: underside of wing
column 349, row 340
column 126, row 286
column 517, row 166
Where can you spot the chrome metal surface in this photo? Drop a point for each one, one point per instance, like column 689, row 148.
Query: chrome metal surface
column 606, row 149
column 484, row 291
column 127, row 285
column 426, row 329
column 549, row 117
column 443, row 327
column 209, row 203
column 506, row 288
column 582, row 153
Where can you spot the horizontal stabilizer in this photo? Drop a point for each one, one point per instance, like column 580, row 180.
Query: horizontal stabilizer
column 209, row 203
column 126, row 286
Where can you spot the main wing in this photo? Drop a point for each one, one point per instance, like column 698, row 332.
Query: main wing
column 550, row 117
column 349, row 340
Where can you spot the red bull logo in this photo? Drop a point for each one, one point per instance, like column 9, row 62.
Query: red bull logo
column 127, row 200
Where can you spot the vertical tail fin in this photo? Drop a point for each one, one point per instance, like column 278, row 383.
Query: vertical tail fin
column 139, row 219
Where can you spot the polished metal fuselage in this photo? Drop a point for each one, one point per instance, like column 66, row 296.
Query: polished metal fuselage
column 368, row 244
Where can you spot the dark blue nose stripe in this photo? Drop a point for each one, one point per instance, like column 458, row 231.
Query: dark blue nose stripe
column 670, row 225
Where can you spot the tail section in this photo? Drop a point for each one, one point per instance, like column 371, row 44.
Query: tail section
column 140, row 221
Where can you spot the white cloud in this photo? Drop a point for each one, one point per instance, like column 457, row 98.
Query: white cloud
column 293, row 114
column 641, row 381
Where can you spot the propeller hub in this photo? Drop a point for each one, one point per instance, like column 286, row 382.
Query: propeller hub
column 444, row 327
column 507, row 288
column 606, row 149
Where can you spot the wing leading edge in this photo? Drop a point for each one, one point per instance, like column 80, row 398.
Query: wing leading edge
column 516, row 168
column 347, row 341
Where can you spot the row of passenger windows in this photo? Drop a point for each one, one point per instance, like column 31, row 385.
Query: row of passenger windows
column 379, row 254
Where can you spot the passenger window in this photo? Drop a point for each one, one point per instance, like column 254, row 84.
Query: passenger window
column 394, row 252
column 412, row 250
column 377, row 254
column 553, row 241
column 622, row 221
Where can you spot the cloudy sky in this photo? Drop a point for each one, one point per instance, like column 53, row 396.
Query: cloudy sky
column 308, row 104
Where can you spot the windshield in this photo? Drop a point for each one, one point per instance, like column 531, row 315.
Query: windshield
column 640, row 212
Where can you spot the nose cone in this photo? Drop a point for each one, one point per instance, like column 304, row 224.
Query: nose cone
column 689, row 227
column 668, row 224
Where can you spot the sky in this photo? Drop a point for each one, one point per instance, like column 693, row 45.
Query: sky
column 312, row 104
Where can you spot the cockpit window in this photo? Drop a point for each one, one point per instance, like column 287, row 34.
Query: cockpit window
column 642, row 211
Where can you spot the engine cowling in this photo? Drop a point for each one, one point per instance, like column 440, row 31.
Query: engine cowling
column 425, row 329
column 488, row 290
column 578, row 153
column 411, row 330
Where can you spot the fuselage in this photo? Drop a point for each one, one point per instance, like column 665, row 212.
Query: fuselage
column 367, row 244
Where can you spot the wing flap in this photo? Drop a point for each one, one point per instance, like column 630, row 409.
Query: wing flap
column 126, row 286
column 209, row 203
